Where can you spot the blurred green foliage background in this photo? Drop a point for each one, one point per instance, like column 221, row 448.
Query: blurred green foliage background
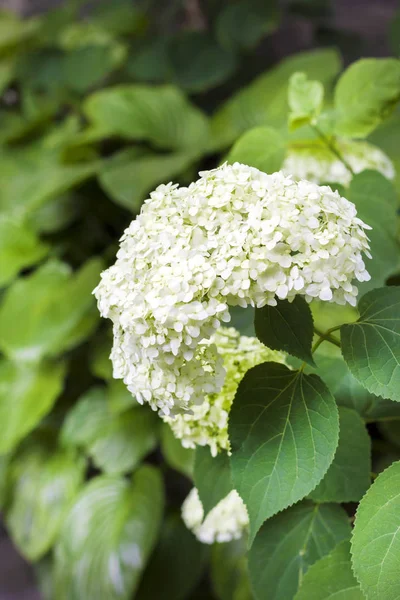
column 98, row 106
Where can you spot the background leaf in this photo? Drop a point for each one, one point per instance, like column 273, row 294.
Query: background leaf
column 36, row 318
column 27, row 393
column 115, row 442
column 107, row 537
column 289, row 543
column 283, row 429
column 365, row 94
column 161, row 116
column 264, row 101
column 178, row 559
column 377, row 202
column 176, row 456
column 19, row 248
column 229, row 571
column 44, row 482
column 130, row 174
column 305, row 100
column 262, row 147
column 212, row 477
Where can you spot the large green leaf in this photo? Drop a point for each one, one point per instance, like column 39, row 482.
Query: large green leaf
column 366, row 94
column 175, row 455
column 376, row 201
column 331, row 578
column 198, row 62
column 376, row 537
column 176, row 565
column 289, row 543
column 284, row 430
column 371, row 345
column 107, row 537
column 19, row 248
column 44, row 483
column 27, row 393
column 49, row 311
column 288, row 326
column 264, row 101
column 160, row 115
column 229, row 572
column 262, row 147
column 212, row 477
column 131, row 174
column 349, row 475
column 115, row 441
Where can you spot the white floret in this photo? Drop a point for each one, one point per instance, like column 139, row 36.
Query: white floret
column 227, row 521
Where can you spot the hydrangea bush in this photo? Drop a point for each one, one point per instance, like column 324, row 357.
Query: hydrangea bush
column 230, row 429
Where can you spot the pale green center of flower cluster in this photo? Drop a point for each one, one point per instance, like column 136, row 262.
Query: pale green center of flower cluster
column 207, row 424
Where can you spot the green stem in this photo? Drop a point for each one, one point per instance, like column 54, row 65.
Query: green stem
column 332, row 148
column 326, row 336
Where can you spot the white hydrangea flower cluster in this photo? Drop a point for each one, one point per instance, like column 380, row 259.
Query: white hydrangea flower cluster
column 237, row 236
column 207, row 424
column 318, row 164
column 225, row 522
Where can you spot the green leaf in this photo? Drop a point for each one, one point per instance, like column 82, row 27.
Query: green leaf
column 15, row 31
column 160, row 115
column 130, row 175
column 212, row 477
column 305, row 100
column 119, row 398
column 391, row 431
column 33, row 175
column 116, row 442
column 376, row 537
column 19, row 248
column 44, row 484
column 229, row 572
column 347, row 390
column 198, row 62
column 331, row 577
column 284, row 430
column 176, row 565
column 87, row 66
column 365, row 190
column 289, row 543
column 176, row 456
column 262, row 147
column 107, row 537
column 366, row 94
column 288, row 326
column 49, row 311
column 241, row 25
column 242, row 319
column 349, row 475
column 27, row 394
column 149, row 63
column 56, row 214
column 264, row 101
column 371, row 347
